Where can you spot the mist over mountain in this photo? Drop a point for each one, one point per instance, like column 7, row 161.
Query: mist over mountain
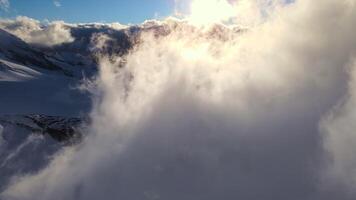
column 259, row 105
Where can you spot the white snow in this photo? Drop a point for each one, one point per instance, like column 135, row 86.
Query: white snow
column 10, row 71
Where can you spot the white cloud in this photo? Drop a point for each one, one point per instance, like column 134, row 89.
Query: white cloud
column 4, row 4
column 242, row 12
column 195, row 116
column 57, row 3
column 32, row 31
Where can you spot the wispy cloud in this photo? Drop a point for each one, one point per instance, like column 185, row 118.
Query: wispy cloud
column 4, row 5
column 57, row 3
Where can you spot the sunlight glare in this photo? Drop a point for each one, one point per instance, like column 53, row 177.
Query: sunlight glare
column 203, row 12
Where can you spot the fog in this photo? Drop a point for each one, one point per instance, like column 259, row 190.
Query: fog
column 209, row 112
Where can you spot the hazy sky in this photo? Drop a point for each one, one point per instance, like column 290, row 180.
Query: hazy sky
column 124, row 11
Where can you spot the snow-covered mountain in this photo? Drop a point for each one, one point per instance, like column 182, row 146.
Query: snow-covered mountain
column 47, row 77
column 182, row 109
column 41, row 105
column 29, row 141
column 42, row 108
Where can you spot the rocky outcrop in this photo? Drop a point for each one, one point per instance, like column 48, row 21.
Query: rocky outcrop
column 61, row 129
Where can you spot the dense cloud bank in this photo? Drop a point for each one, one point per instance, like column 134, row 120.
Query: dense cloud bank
column 34, row 32
column 262, row 114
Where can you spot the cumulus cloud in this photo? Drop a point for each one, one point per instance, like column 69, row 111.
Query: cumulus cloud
column 33, row 31
column 193, row 116
column 4, row 4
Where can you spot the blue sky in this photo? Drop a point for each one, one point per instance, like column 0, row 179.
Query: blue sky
column 123, row 11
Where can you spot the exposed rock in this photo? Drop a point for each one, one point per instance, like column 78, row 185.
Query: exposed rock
column 61, row 129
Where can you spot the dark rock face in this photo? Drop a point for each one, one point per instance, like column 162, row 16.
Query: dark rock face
column 61, row 129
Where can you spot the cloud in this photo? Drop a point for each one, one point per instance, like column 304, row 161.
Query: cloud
column 32, row 31
column 340, row 137
column 192, row 115
column 4, row 4
column 57, row 3
column 242, row 12
column 1, row 137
